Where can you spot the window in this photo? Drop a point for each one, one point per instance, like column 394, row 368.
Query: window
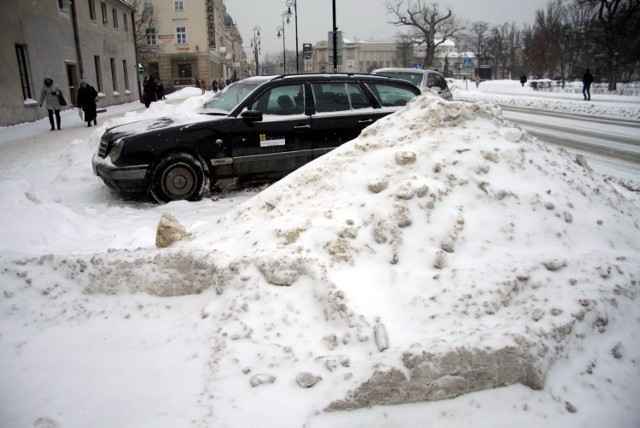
column 184, row 70
column 389, row 95
column 22, row 67
column 125, row 22
column 181, row 35
column 105, row 20
column 151, row 36
column 148, row 5
column 61, row 4
column 114, row 78
column 126, row 75
column 92, row 10
column 281, row 100
column 96, row 62
column 330, row 97
column 115, row 18
column 178, row 5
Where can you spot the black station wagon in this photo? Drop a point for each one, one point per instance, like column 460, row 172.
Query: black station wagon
column 260, row 127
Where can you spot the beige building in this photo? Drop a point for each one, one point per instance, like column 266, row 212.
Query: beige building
column 192, row 40
column 363, row 56
column 66, row 41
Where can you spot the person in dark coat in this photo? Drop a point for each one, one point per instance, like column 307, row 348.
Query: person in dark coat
column 50, row 92
column 214, row 86
column 523, row 80
column 150, row 91
column 587, row 80
column 87, row 102
column 160, row 88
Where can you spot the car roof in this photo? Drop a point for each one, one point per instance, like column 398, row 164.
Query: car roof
column 405, row 70
column 319, row 77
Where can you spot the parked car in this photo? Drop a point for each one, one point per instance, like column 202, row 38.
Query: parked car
column 427, row 78
column 263, row 126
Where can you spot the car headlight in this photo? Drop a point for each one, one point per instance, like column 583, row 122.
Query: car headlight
column 117, row 149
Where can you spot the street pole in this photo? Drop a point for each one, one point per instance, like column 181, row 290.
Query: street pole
column 294, row 3
column 335, row 40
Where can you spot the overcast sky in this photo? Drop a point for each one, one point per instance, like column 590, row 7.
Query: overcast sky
column 363, row 19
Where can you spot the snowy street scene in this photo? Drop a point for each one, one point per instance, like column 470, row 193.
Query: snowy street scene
column 465, row 263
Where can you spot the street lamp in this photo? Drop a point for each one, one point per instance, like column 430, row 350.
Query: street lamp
column 284, row 51
column 293, row 3
column 255, row 44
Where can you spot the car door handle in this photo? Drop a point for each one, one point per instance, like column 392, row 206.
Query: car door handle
column 302, row 127
column 366, row 121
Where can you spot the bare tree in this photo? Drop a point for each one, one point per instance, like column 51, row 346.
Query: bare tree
column 404, row 50
column 432, row 26
column 616, row 33
column 146, row 20
column 545, row 51
column 479, row 37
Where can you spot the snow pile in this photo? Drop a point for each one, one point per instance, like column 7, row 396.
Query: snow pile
column 511, row 93
column 441, row 252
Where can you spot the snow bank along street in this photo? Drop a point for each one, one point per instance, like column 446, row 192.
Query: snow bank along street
column 444, row 253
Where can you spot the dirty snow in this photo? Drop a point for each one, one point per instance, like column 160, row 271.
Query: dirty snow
column 442, row 252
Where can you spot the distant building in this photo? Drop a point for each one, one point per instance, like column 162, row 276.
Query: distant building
column 66, row 41
column 192, row 41
column 363, row 56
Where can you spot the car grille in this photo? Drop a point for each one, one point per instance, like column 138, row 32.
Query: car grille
column 104, row 147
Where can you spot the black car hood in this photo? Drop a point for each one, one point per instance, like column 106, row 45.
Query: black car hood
column 175, row 123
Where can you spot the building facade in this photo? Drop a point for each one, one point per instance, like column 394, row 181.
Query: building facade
column 364, row 56
column 192, row 41
column 66, row 41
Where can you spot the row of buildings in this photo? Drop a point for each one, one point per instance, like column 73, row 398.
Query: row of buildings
column 69, row 40
column 114, row 43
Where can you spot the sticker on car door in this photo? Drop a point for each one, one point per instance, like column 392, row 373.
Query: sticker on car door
column 266, row 141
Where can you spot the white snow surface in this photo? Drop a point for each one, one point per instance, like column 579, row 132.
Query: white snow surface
column 444, row 223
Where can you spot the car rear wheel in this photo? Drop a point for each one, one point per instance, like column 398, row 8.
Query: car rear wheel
column 177, row 177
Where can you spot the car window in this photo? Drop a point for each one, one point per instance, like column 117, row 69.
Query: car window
column 281, row 100
column 439, row 81
column 226, row 100
column 409, row 76
column 390, row 95
column 357, row 98
column 330, row 97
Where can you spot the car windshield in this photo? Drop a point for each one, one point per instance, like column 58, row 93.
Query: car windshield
column 224, row 101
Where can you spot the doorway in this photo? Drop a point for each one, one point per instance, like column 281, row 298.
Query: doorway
column 72, row 79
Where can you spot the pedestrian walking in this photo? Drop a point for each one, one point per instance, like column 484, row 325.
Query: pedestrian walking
column 203, row 86
column 86, row 100
column 220, row 84
column 523, row 80
column 587, row 80
column 150, row 91
column 477, row 80
column 160, row 90
column 214, row 86
column 52, row 94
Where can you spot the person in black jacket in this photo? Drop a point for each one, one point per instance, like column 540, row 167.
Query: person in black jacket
column 87, row 102
column 150, row 91
column 587, row 80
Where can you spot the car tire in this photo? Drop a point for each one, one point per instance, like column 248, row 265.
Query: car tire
column 176, row 177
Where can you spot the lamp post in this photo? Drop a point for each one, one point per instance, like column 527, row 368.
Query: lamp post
column 293, row 3
column 255, row 44
column 284, row 50
column 284, row 55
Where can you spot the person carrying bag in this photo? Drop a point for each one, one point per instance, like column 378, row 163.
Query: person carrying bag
column 87, row 102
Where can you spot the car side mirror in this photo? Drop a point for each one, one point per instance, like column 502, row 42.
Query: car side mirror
column 252, row 115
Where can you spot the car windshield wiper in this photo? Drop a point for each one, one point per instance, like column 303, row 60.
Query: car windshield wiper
column 215, row 113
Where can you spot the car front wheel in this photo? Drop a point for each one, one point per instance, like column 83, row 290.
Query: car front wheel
column 177, row 177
